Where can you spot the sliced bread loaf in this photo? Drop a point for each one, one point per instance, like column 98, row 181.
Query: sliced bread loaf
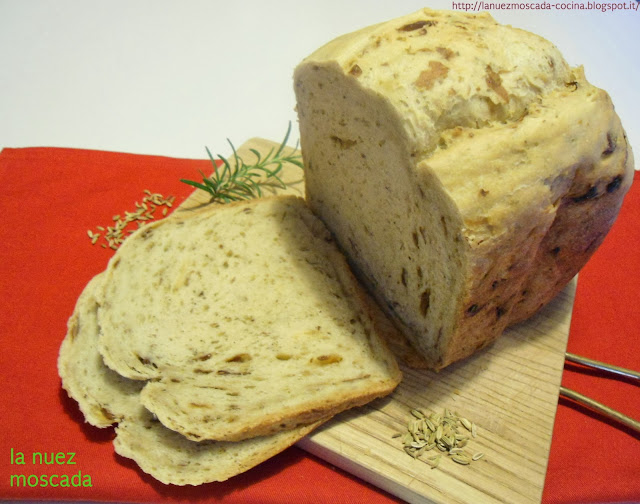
column 244, row 320
column 106, row 398
column 465, row 169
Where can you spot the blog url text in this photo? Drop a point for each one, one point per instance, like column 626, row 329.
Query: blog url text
column 481, row 5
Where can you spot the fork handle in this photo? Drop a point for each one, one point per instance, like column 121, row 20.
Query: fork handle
column 602, row 366
column 597, row 406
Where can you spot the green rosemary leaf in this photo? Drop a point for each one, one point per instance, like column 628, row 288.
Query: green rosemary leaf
column 257, row 154
column 274, row 173
column 295, row 161
column 284, row 142
column 227, row 168
column 240, row 180
column 213, row 160
column 195, row 184
column 238, row 161
column 240, row 193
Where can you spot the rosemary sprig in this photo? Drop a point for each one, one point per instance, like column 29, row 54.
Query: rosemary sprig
column 240, row 180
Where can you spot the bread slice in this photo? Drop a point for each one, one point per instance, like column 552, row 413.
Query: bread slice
column 173, row 459
column 106, row 398
column 244, row 320
column 464, row 168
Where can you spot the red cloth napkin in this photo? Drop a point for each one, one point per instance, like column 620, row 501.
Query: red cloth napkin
column 50, row 198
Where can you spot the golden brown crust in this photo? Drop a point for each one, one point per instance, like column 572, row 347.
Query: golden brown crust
column 561, row 214
column 584, row 217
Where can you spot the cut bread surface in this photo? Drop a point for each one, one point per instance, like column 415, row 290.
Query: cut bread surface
column 106, row 398
column 245, row 320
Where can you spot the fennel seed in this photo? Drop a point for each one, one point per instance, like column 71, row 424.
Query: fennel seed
column 461, row 459
column 427, row 432
column 115, row 235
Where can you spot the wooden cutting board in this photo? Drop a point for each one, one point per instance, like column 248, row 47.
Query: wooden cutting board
column 509, row 390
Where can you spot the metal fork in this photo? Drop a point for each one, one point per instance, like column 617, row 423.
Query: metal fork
column 595, row 405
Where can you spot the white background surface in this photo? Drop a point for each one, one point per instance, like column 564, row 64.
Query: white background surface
column 170, row 77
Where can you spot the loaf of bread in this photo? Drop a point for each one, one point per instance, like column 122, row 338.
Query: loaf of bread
column 106, row 398
column 243, row 320
column 466, row 170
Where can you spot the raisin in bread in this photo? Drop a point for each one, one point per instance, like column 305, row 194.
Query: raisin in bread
column 243, row 320
column 467, row 171
column 106, row 398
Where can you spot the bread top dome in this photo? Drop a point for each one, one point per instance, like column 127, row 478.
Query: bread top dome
column 443, row 69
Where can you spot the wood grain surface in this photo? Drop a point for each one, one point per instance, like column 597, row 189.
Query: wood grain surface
column 509, row 390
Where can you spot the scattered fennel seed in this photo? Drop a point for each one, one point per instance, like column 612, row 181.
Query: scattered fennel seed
column 113, row 236
column 447, row 434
